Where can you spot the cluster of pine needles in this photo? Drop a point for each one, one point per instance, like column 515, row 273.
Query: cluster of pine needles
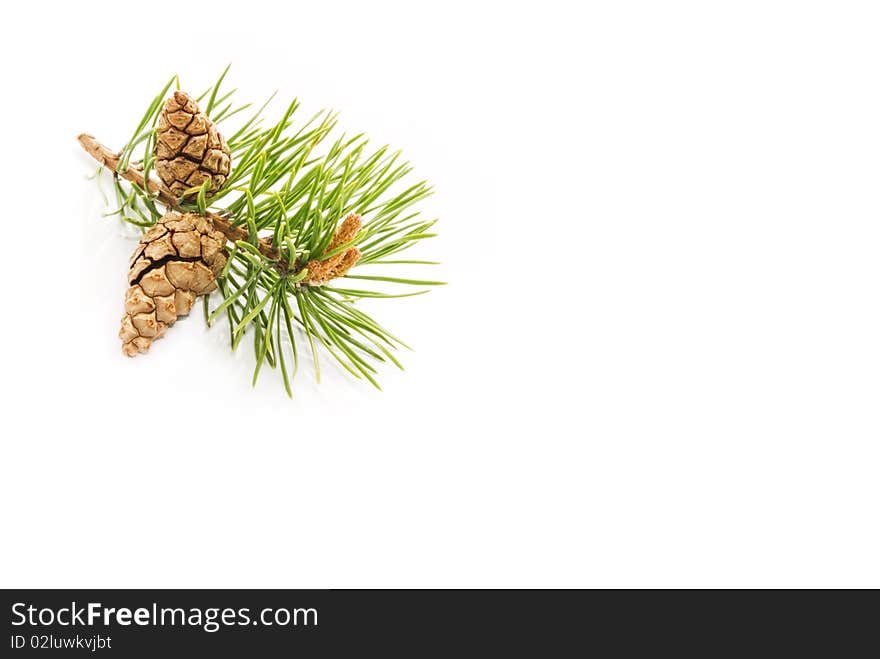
column 287, row 186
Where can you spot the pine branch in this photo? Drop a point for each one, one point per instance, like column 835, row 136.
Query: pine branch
column 296, row 220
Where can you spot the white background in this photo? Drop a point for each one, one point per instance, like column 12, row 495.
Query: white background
column 657, row 362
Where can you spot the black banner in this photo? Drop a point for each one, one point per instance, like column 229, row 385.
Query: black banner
column 267, row 623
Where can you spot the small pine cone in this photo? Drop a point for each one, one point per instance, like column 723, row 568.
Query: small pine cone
column 189, row 150
column 177, row 260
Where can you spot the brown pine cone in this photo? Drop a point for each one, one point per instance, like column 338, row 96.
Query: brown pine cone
column 189, row 150
column 176, row 261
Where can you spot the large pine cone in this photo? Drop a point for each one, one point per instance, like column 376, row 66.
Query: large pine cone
column 176, row 261
column 189, row 150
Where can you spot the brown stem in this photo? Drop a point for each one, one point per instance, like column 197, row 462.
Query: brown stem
column 110, row 160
